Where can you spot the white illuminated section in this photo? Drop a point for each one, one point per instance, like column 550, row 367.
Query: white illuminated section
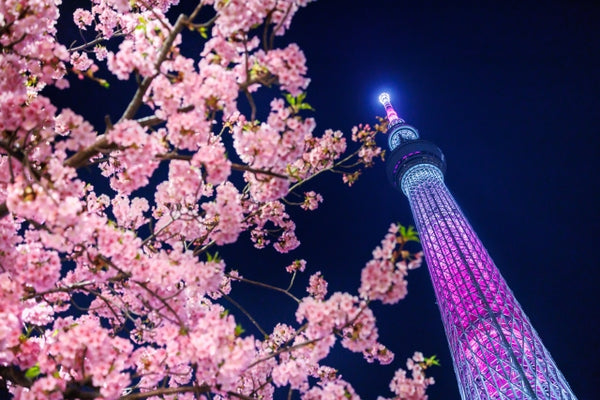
column 384, row 98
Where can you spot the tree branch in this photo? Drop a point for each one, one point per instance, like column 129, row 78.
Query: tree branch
column 245, row 312
column 164, row 391
column 154, row 120
column 265, row 285
column 15, row 375
column 136, row 102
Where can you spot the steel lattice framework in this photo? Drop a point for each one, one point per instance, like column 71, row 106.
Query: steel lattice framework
column 496, row 352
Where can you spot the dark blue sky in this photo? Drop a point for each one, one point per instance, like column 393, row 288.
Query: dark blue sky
column 510, row 92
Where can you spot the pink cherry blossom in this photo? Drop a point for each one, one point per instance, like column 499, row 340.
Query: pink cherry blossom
column 225, row 214
column 212, row 158
column 384, row 277
column 82, row 18
column 131, row 167
column 79, row 132
column 129, row 215
column 289, row 65
column 311, row 200
column 112, row 278
column 297, row 265
column 333, row 390
column 317, row 286
column 411, row 388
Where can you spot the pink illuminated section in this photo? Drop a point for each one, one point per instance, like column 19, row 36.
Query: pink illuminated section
column 392, row 115
column 496, row 352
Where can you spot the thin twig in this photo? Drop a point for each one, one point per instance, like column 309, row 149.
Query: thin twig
column 245, row 312
column 166, row 391
column 99, row 39
column 265, row 285
column 153, row 120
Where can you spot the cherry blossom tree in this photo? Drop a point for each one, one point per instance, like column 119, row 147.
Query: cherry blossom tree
column 119, row 292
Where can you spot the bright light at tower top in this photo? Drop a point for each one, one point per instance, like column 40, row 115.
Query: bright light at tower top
column 392, row 116
column 384, row 98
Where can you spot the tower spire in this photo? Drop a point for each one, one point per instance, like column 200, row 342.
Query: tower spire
column 497, row 354
column 398, row 131
column 392, row 115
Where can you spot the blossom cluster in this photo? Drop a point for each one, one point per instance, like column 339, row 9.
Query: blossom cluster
column 414, row 387
column 132, row 166
column 111, row 282
column 344, row 314
column 384, row 276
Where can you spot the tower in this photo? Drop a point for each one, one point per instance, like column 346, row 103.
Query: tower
column 496, row 352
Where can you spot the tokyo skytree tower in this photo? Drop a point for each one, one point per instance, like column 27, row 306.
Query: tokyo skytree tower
column 495, row 350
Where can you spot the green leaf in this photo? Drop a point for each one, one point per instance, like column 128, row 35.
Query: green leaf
column 297, row 103
column 432, row 361
column 408, row 234
column 306, row 106
column 402, row 230
column 238, row 330
column 32, row 372
column 290, row 99
column 211, row 258
column 202, row 30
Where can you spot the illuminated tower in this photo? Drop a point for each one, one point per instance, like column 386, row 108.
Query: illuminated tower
column 496, row 352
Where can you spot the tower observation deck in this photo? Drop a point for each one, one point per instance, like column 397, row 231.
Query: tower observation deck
column 495, row 350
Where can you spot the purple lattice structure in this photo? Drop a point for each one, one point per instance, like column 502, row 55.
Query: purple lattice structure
column 496, row 352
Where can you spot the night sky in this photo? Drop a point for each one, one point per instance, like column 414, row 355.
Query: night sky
column 511, row 93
